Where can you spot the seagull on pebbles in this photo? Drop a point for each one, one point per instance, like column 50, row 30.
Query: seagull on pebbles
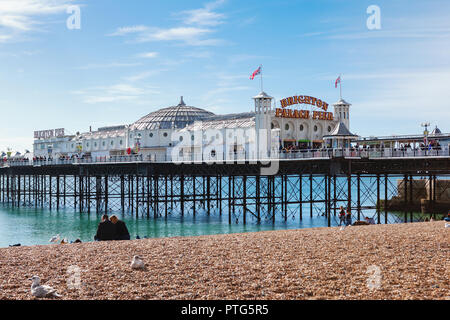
column 137, row 263
column 54, row 238
column 42, row 291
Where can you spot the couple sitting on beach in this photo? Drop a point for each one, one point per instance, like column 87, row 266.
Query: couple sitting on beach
column 111, row 229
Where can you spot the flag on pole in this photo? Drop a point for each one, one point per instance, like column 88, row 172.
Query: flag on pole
column 255, row 73
column 338, row 80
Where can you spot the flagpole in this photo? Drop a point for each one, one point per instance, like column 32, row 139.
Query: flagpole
column 261, row 78
column 340, row 85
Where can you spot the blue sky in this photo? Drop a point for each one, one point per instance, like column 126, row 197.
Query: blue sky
column 133, row 57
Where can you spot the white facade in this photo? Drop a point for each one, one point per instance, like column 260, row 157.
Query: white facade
column 155, row 135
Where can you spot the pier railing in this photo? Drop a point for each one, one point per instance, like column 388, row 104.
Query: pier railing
column 239, row 156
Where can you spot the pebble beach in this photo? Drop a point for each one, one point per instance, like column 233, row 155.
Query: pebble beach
column 401, row 261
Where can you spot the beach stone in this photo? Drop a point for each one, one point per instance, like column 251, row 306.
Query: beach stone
column 319, row 263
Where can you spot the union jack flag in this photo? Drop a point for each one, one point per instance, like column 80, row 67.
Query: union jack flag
column 338, row 80
column 255, row 73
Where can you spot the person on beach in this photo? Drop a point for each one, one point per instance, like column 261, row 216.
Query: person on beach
column 370, row 220
column 120, row 229
column 447, row 218
column 341, row 216
column 348, row 218
column 105, row 230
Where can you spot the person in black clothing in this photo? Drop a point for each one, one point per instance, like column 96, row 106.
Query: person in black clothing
column 341, row 216
column 105, row 230
column 120, row 228
column 348, row 218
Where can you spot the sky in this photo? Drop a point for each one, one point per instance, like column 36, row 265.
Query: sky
column 126, row 59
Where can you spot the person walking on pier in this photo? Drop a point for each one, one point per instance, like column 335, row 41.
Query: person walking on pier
column 341, row 216
column 348, row 218
column 120, row 229
column 105, row 230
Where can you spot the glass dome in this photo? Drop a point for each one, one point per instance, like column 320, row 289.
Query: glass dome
column 436, row 131
column 176, row 117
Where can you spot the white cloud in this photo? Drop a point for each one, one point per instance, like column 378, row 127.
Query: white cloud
column 204, row 16
column 402, row 100
column 20, row 16
column 5, row 37
column 188, row 35
column 423, row 33
column 111, row 98
column 147, row 55
column 114, row 93
column 196, row 25
column 142, row 75
column 127, row 30
column 108, row 65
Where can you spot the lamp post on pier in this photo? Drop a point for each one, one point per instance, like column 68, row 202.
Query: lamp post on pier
column 425, row 133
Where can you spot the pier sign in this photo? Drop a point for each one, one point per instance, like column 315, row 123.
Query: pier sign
column 303, row 114
column 304, row 100
column 46, row 134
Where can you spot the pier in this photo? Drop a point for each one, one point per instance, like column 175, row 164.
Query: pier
column 317, row 187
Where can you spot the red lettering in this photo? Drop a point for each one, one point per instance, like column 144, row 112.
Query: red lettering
column 307, row 100
column 306, row 114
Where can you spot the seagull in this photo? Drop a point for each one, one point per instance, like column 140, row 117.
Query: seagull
column 39, row 291
column 54, row 238
column 137, row 263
